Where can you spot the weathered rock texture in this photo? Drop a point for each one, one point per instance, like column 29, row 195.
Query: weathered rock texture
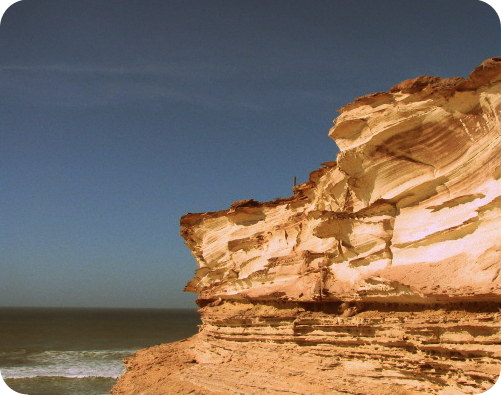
column 380, row 274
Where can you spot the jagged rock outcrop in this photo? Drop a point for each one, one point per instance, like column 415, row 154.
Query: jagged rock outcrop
column 380, row 274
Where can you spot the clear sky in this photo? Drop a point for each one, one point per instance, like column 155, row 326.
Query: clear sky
column 119, row 116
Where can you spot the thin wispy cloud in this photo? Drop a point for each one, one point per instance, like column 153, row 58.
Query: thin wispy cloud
column 174, row 69
column 103, row 85
column 89, row 86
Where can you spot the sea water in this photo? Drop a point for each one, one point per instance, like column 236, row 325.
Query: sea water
column 80, row 351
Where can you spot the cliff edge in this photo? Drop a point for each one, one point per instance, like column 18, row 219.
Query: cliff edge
column 380, row 274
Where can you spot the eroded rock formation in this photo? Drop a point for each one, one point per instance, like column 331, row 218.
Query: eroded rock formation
column 380, row 274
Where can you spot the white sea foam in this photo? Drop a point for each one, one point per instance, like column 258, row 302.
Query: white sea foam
column 71, row 364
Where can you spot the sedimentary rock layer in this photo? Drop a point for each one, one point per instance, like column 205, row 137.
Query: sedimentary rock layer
column 408, row 212
column 328, row 348
column 379, row 275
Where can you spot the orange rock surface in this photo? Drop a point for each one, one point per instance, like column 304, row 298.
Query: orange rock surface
column 380, row 274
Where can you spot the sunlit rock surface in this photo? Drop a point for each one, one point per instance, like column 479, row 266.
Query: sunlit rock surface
column 408, row 212
column 379, row 275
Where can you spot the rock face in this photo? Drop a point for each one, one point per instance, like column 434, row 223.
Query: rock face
column 380, row 274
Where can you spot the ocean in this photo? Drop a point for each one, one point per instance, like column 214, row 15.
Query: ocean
column 80, row 351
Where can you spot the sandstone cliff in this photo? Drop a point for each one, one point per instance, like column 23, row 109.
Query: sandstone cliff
column 380, row 274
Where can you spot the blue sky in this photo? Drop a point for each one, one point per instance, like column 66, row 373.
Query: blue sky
column 119, row 117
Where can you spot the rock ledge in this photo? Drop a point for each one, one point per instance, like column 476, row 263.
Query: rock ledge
column 379, row 275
